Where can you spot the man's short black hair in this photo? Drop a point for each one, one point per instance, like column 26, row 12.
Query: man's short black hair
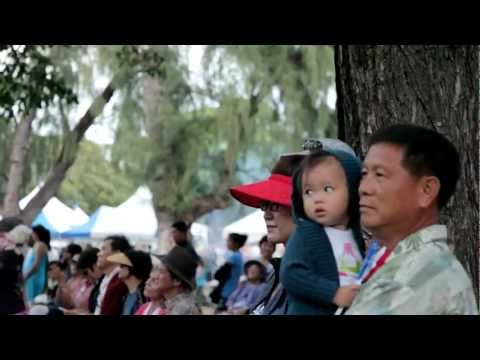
column 142, row 264
column 43, row 234
column 55, row 262
column 426, row 152
column 119, row 243
column 73, row 249
column 87, row 259
column 264, row 239
column 238, row 239
column 180, row 226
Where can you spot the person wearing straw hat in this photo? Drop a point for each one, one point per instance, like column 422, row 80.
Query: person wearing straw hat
column 111, row 290
column 135, row 267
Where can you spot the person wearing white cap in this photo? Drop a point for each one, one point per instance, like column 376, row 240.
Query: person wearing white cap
column 12, row 233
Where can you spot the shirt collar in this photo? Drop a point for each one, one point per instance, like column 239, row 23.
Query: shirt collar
column 179, row 297
column 432, row 233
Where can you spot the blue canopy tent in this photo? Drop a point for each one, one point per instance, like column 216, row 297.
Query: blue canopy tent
column 83, row 231
column 41, row 219
column 55, row 215
column 135, row 218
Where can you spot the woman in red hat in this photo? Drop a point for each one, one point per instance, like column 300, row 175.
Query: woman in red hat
column 273, row 196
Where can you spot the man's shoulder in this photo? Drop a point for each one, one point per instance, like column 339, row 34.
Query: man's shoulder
column 182, row 304
column 424, row 261
column 425, row 272
column 116, row 284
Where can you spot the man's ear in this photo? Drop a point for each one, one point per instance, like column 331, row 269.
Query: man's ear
column 428, row 191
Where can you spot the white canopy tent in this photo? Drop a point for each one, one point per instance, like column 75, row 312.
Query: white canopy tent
column 135, row 218
column 55, row 215
column 252, row 225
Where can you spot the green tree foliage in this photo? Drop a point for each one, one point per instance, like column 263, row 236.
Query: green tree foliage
column 270, row 97
column 266, row 99
column 93, row 181
column 188, row 142
column 29, row 80
column 49, row 78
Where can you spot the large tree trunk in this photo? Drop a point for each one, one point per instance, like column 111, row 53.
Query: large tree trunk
column 432, row 86
column 200, row 207
column 207, row 204
column 67, row 156
column 18, row 153
column 165, row 221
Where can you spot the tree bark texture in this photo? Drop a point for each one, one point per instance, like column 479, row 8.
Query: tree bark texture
column 432, row 86
column 67, row 156
column 18, row 153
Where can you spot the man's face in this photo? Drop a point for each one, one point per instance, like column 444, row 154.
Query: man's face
column 66, row 256
column 388, row 192
column 165, row 282
column 325, row 194
column 32, row 238
column 95, row 272
column 153, row 285
column 73, row 268
column 54, row 272
column 105, row 251
column 178, row 237
column 231, row 244
column 267, row 249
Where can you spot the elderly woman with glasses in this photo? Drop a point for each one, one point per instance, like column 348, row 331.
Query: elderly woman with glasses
column 273, row 196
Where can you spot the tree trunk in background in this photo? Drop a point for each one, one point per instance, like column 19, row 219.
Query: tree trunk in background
column 432, row 86
column 18, row 153
column 67, row 156
column 165, row 222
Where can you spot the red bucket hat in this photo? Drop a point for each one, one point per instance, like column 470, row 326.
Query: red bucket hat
column 277, row 189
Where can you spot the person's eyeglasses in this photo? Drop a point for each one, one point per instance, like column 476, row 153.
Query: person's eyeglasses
column 269, row 206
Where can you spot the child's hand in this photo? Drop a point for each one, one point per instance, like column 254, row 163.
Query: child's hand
column 345, row 295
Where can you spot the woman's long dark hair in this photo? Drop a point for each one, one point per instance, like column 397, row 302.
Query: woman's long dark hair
column 43, row 234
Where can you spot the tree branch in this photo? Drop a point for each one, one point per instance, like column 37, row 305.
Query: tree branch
column 17, row 165
column 67, row 156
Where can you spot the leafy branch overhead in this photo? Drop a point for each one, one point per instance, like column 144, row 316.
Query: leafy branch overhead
column 30, row 80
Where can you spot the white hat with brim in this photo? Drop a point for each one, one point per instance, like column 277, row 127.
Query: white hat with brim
column 19, row 234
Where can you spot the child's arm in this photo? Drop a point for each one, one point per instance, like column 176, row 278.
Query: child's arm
column 296, row 272
column 300, row 281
